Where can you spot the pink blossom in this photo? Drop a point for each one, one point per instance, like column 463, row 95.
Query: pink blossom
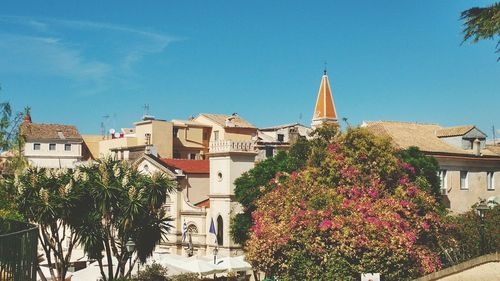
column 403, row 181
column 325, row 225
column 412, row 190
column 425, row 226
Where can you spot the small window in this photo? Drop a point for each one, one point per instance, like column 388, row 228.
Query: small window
column 216, row 135
column 281, row 137
column 269, row 151
column 52, row 146
column 464, row 176
column 36, row 146
column 205, row 135
column 67, row 146
column 490, row 178
column 176, row 131
column 192, row 156
column 220, row 231
column 444, row 182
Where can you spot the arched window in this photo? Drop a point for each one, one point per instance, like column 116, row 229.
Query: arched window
column 192, row 229
column 220, row 231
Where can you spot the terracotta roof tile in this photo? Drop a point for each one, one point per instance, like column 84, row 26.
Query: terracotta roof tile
column 39, row 131
column 189, row 166
column 454, row 131
column 423, row 136
column 236, row 120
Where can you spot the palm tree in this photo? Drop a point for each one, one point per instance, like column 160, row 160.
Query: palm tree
column 124, row 204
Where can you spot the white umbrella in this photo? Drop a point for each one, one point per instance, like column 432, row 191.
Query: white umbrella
column 202, row 267
column 93, row 271
column 232, row 264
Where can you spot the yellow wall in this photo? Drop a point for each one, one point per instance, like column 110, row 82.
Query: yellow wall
column 105, row 146
column 239, row 134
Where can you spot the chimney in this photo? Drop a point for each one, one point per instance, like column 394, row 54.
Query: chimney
column 27, row 118
column 476, row 147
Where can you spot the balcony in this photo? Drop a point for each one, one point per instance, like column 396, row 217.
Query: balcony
column 18, row 250
column 231, row 146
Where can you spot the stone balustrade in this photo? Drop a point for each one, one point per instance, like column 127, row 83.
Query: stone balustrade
column 231, row 146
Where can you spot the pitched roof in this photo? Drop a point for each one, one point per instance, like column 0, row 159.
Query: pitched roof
column 325, row 108
column 454, row 131
column 189, row 166
column 39, row 131
column 424, row 136
column 204, row 203
column 220, row 119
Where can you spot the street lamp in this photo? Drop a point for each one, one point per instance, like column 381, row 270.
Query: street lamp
column 481, row 209
column 216, row 250
column 130, row 249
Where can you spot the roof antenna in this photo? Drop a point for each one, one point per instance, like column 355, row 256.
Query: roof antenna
column 494, row 136
column 324, row 69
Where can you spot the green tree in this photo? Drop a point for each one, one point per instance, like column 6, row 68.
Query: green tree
column 482, row 23
column 461, row 241
column 423, row 170
column 124, row 205
column 50, row 198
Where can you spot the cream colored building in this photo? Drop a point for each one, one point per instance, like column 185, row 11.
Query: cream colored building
column 214, row 183
column 228, row 127
column 469, row 170
column 271, row 140
column 190, row 139
column 51, row 145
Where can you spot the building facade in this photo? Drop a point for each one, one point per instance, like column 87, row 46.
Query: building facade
column 204, row 197
column 51, row 145
column 469, row 170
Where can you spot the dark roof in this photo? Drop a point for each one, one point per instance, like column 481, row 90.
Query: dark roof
column 39, row 131
column 189, row 166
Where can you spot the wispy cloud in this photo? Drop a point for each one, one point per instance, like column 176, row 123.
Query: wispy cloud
column 48, row 46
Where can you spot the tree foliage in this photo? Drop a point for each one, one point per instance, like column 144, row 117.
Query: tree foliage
column 462, row 239
column 482, row 23
column 423, row 170
column 254, row 183
column 100, row 206
column 354, row 211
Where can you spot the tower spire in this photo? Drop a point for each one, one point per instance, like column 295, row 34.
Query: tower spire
column 324, row 111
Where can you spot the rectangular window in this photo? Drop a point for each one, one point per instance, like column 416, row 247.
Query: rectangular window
column 205, row 135
column 281, row 137
column 444, row 182
column 216, row 135
column 176, row 131
column 67, row 146
column 490, row 178
column 36, row 146
column 52, row 146
column 192, row 156
column 464, row 177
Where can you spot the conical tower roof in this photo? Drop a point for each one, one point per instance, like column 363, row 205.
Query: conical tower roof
column 324, row 111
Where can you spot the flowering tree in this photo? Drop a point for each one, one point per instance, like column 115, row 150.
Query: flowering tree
column 100, row 207
column 50, row 198
column 356, row 210
column 123, row 205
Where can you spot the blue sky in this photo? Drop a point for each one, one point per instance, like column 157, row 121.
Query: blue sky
column 74, row 62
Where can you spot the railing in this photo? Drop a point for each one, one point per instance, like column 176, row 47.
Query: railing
column 230, row 146
column 18, row 251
